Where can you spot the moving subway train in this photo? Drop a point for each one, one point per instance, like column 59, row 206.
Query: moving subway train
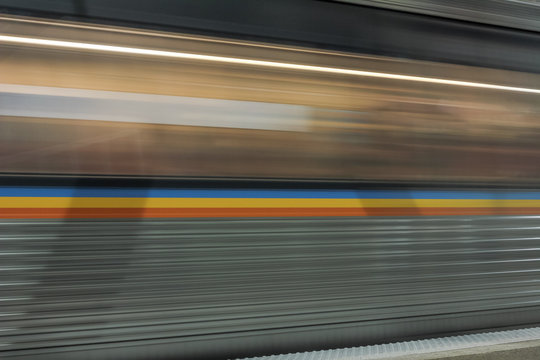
column 169, row 196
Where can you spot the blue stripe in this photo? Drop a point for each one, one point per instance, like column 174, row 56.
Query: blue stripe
column 174, row 193
column 265, row 194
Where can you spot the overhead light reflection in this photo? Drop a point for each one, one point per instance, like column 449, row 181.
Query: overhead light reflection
column 251, row 62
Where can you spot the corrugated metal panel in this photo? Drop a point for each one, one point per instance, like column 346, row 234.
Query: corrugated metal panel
column 239, row 286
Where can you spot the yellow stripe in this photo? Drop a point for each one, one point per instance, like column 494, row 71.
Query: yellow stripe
column 55, row 202
column 58, row 202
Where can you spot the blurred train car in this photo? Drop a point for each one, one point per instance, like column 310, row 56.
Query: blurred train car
column 168, row 196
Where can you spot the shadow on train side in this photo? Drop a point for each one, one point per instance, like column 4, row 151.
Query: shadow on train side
column 87, row 257
column 88, row 285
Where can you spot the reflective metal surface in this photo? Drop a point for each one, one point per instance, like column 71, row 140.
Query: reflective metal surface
column 519, row 14
column 238, row 287
column 341, row 126
column 333, row 25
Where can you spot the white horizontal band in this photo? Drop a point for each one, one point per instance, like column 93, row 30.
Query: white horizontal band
column 251, row 62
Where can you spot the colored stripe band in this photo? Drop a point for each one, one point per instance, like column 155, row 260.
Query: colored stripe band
column 65, row 202
column 83, row 202
column 12, row 191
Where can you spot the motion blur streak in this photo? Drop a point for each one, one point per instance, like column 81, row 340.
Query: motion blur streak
column 164, row 204
column 251, row 62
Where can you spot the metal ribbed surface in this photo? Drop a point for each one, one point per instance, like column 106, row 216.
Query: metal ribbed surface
column 247, row 286
column 409, row 348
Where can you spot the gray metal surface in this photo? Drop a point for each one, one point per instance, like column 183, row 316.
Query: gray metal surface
column 518, row 14
column 235, row 287
column 410, row 348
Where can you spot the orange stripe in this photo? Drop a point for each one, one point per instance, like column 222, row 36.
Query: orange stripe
column 55, row 213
